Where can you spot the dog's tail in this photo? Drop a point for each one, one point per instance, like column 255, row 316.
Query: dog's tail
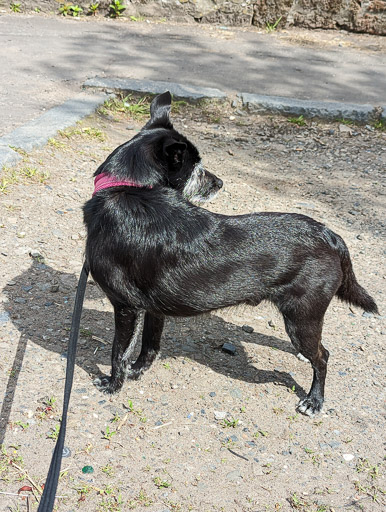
column 350, row 290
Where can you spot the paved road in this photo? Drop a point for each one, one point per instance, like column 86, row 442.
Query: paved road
column 45, row 60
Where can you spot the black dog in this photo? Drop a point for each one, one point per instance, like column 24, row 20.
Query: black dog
column 151, row 250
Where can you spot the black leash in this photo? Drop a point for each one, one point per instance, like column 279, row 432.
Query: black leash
column 48, row 496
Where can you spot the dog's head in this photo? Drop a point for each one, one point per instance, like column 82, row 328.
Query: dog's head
column 159, row 155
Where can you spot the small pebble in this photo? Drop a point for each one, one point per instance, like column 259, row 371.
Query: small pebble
column 220, row 415
column 233, row 475
column 228, row 348
column 348, row 457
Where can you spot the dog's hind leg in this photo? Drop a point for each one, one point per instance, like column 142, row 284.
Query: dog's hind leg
column 306, row 333
column 127, row 328
column 151, row 338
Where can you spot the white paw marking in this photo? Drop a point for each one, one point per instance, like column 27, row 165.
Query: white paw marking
column 98, row 382
column 302, row 358
column 308, row 409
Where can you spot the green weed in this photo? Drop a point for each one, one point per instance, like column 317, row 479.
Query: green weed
column 380, row 125
column 56, row 143
column 364, row 466
column 177, row 106
column 141, row 500
column 92, row 8
column 76, row 10
column 161, row 483
column 65, row 9
column 15, row 7
column 24, row 426
column 231, row 423
column 137, row 109
column 54, row 433
column 297, row 120
column 271, row 27
column 70, row 10
column 108, row 434
column 108, row 470
column 116, row 9
column 4, row 183
column 83, row 131
column 259, row 433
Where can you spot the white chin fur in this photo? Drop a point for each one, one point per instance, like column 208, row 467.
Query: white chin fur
column 197, row 199
column 192, row 186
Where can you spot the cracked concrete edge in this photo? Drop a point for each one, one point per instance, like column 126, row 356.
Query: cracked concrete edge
column 182, row 91
column 258, row 103
column 328, row 110
column 37, row 132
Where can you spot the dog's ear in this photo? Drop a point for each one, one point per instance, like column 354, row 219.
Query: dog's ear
column 160, row 109
column 174, row 150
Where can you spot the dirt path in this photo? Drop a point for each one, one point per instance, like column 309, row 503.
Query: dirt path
column 203, row 430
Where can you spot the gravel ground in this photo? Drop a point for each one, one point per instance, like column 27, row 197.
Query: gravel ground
column 203, row 430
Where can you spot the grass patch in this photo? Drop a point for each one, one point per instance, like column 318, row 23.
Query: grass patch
column 136, row 108
column 142, row 500
column 55, row 143
column 11, row 176
column 297, row 120
column 347, row 122
column 380, row 125
column 86, row 131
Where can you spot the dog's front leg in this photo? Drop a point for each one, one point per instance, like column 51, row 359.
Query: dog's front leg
column 151, row 338
column 127, row 328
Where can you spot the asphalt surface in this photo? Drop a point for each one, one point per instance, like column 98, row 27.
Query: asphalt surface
column 45, row 61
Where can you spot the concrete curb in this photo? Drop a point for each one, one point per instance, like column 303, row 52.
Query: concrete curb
column 37, row 132
column 328, row 110
column 190, row 92
column 320, row 109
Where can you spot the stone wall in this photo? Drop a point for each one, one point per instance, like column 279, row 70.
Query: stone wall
column 354, row 15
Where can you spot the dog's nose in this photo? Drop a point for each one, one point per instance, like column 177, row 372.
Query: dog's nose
column 219, row 183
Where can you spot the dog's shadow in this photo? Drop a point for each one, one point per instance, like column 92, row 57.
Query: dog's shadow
column 40, row 303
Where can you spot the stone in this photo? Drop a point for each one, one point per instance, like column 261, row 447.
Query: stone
column 236, row 393
column 343, row 128
column 229, row 348
column 4, row 317
column 220, row 415
column 234, row 475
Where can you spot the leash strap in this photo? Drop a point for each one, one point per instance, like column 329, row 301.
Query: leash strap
column 48, row 496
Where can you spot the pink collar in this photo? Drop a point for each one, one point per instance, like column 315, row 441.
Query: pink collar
column 105, row 180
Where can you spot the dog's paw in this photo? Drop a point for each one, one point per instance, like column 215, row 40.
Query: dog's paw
column 310, row 406
column 105, row 385
column 302, row 358
column 133, row 373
